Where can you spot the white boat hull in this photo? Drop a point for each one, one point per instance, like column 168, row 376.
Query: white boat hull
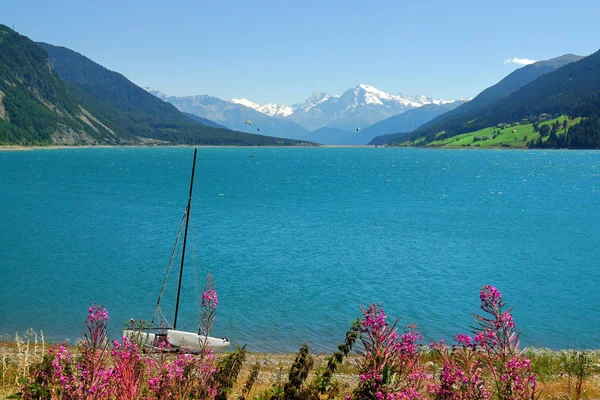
column 194, row 342
column 178, row 340
column 146, row 339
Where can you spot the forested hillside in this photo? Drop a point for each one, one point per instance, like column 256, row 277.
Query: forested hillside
column 37, row 107
column 573, row 89
column 138, row 112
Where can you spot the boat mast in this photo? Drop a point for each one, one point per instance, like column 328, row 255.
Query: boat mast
column 187, row 219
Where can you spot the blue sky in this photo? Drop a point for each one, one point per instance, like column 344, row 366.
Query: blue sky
column 283, row 51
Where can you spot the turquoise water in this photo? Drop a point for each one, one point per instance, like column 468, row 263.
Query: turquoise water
column 298, row 239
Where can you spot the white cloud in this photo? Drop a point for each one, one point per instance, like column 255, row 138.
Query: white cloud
column 519, row 61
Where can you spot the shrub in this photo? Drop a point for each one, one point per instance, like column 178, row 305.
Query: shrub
column 488, row 365
column 390, row 366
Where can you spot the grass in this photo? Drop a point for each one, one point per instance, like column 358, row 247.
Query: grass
column 515, row 136
column 556, row 370
column 17, row 355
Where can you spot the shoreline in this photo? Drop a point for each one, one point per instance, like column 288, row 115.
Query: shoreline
column 324, row 146
column 273, row 369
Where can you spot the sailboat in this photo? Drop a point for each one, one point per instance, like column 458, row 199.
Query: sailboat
column 167, row 336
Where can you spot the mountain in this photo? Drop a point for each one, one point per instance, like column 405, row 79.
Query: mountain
column 37, row 107
column 196, row 118
column 234, row 115
column 270, row 109
column 360, row 106
column 205, row 121
column 357, row 107
column 405, row 122
column 478, row 113
column 276, row 110
column 329, row 136
column 133, row 110
column 516, row 80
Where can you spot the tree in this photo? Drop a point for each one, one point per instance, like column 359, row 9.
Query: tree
column 555, row 127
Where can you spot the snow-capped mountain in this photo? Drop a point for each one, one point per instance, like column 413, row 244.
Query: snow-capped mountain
column 357, row 107
column 425, row 100
column 246, row 102
column 270, row 109
column 360, row 106
column 276, row 110
column 314, row 100
column 234, row 114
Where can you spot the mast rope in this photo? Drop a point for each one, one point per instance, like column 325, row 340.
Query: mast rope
column 157, row 310
column 164, row 320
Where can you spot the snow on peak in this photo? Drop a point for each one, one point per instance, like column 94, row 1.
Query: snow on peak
column 422, row 100
column 246, row 102
column 374, row 96
column 441, row 101
column 374, row 91
column 272, row 109
column 314, row 100
column 156, row 93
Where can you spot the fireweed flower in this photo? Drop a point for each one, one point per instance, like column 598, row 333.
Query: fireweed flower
column 490, row 296
column 464, row 340
column 209, row 298
column 391, row 367
column 96, row 314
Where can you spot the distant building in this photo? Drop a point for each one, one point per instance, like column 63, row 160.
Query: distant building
column 544, row 117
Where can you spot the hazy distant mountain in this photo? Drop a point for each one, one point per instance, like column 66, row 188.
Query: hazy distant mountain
column 357, row 107
column 405, row 122
column 270, row 109
column 360, row 106
column 329, row 136
column 205, row 121
column 235, row 115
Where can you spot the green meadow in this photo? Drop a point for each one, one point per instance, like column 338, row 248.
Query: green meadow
column 514, row 135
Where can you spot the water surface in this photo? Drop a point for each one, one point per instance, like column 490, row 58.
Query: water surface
column 298, row 239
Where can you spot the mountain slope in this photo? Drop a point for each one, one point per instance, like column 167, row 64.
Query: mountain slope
column 516, row 80
column 509, row 108
column 405, row 122
column 329, row 136
column 37, row 107
column 235, row 115
column 135, row 111
column 205, row 121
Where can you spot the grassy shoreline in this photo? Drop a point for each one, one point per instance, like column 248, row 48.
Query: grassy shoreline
column 556, row 378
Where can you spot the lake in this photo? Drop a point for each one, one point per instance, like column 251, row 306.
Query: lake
column 298, row 238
